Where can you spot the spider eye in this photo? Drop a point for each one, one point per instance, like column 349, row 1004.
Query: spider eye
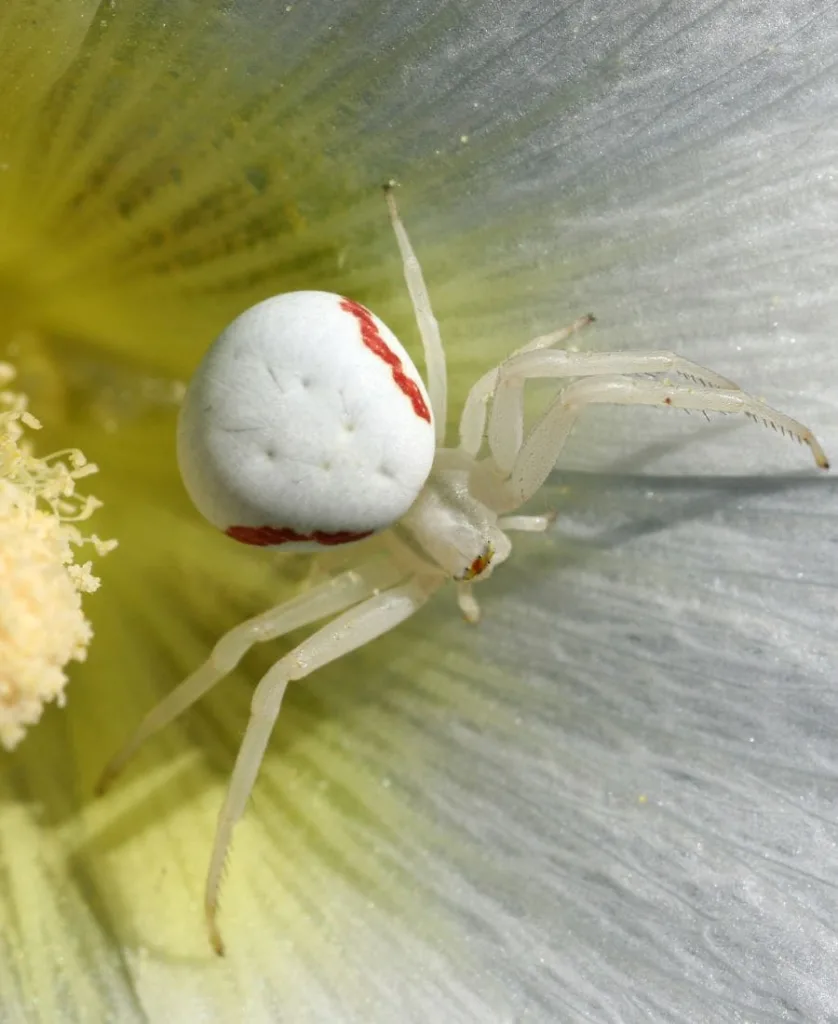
column 479, row 565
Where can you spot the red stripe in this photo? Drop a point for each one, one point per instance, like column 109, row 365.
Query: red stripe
column 378, row 346
column 268, row 536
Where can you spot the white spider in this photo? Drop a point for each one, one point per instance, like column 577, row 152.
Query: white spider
column 449, row 520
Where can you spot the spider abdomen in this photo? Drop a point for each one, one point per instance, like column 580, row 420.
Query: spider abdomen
column 306, row 424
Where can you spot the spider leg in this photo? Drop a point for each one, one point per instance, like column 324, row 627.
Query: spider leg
column 527, row 524
column 425, row 319
column 320, row 601
column 506, row 422
column 539, row 453
column 354, row 628
column 473, row 418
column 467, row 602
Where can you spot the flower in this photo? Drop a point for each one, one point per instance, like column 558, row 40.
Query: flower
column 613, row 800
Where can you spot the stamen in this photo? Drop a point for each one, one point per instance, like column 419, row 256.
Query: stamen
column 42, row 625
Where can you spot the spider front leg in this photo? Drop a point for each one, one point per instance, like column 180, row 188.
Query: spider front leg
column 326, row 599
column 351, row 630
column 527, row 524
column 506, row 422
column 539, row 453
column 475, row 408
column 435, row 369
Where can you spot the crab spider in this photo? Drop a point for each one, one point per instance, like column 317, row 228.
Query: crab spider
column 307, row 425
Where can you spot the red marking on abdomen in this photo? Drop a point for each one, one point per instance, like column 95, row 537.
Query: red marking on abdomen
column 269, row 536
column 378, row 346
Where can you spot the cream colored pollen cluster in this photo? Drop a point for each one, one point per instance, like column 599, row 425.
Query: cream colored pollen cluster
column 42, row 625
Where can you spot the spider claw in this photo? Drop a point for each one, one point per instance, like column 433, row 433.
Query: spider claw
column 215, row 939
column 211, row 918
